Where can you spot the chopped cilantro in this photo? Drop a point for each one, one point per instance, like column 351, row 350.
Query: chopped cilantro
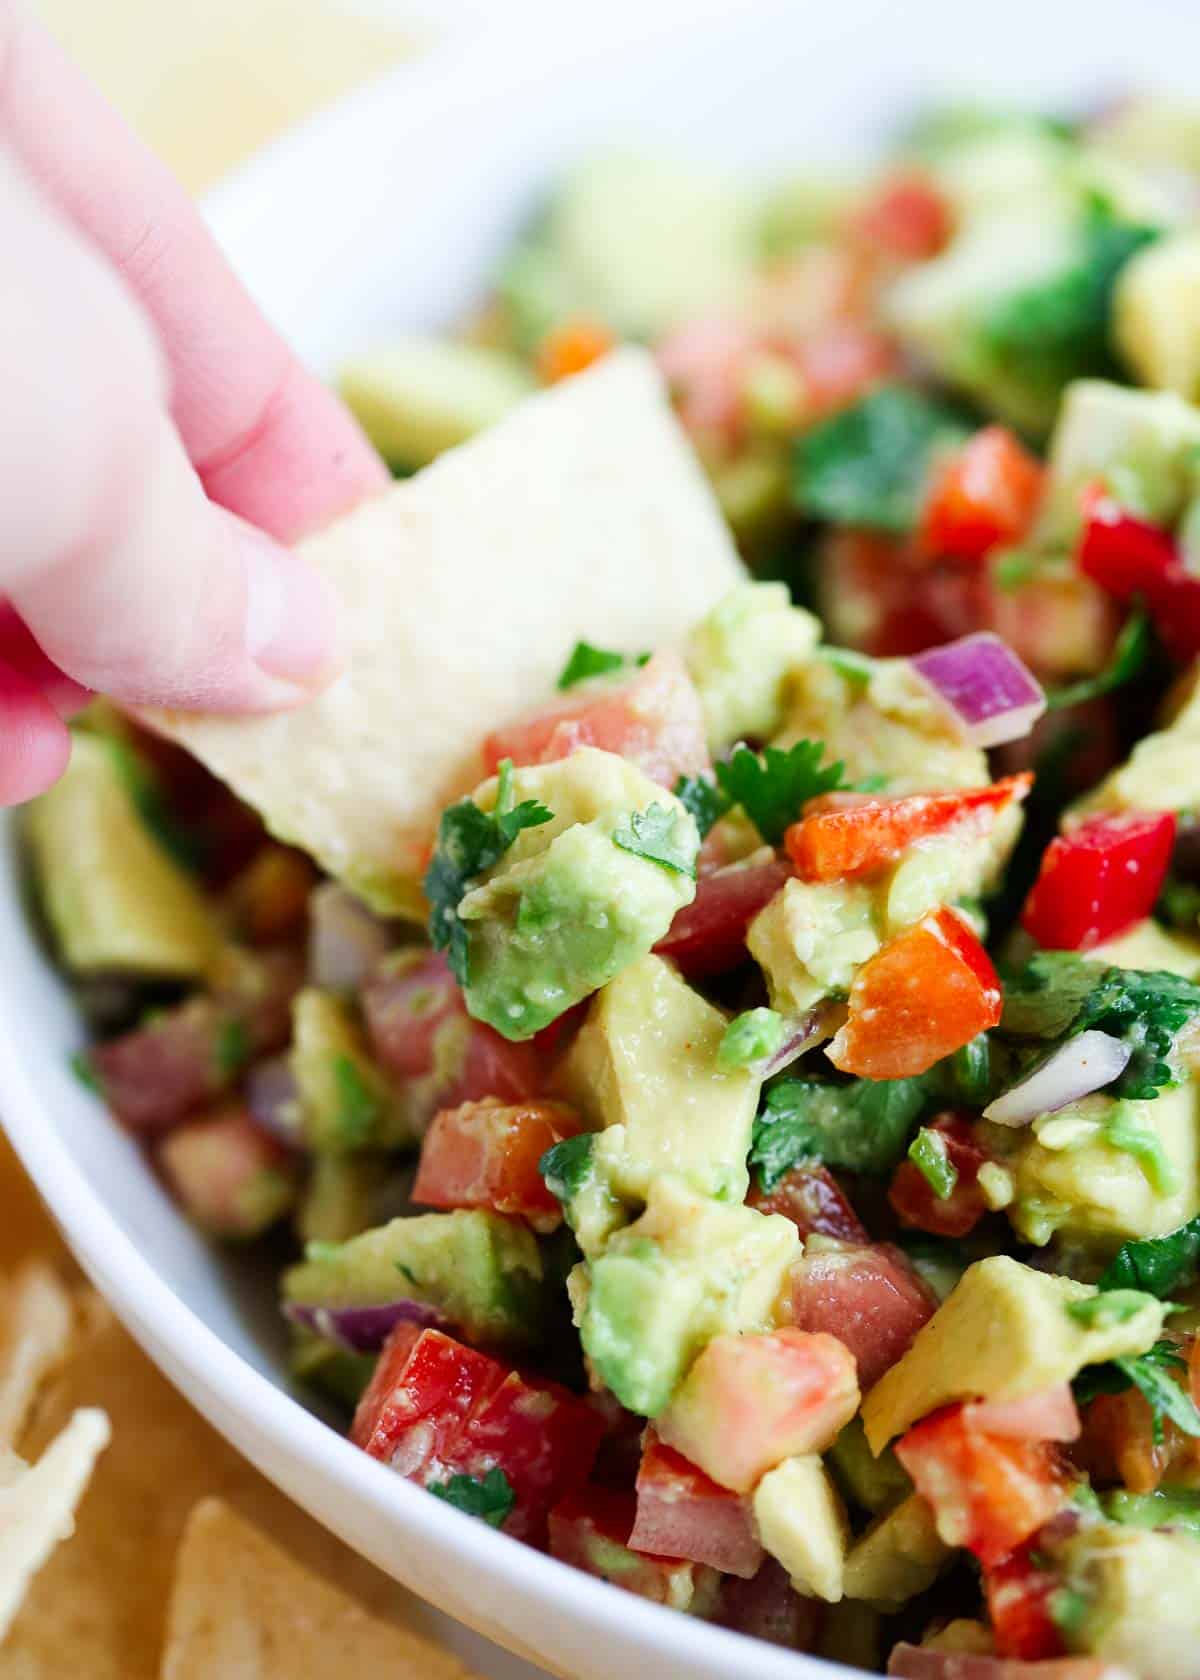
column 1014, row 568
column 869, row 464
column 704, row 799
column 847, row 662
column 928, row 1153
column 863, row 1126
column 654, row 834
column 1109, row 1307
column 358, row 1105
column 1179, row 905
column 1156, row 1265
column 587, row 661
column 970, row 1071
column 143, row 786
column 81, row 1067
column 231, row 1049
column 469, row 842
column 752, row 1036
column 565, row 1166
column 490, row 1497
column 1069, row 1610
column 1155, row 1374
column 1129, row 655
column 773, row 786
column 408, row 1273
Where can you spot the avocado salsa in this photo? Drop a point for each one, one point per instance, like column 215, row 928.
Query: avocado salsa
column 770, row 1180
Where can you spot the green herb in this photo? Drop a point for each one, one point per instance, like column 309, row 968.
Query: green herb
column 658, row 836
column 773, row 786
column 855, row 667
column 588, row 661
column 142, row 785
column 1014, row 569
column 490, row 1497
column 1069, row 1609
column 1109, row 1307
column 469, row 842
column 81, row 1067
column 928, row 1153
column 358, row 1104
column 863, row 1126
column 1123, row 1131
column 1130, row 653
column 869, row 464
column 231, row 1050
column 704, row 799
column 751, row 1037
column 970, row 1071
column 1166, row 1507
column 874, row 783
column 565, row 1166
column 1156, row 1265
column 1179, row 905
column 407, row 1272
column 1154, row 1374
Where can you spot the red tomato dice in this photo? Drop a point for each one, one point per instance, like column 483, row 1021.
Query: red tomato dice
column 1099, row 879
column 915, row 1199
column 653, row 718
column 708, row 935
column 845, row 842
column 1050, row 1414
column 840, row 363
column 421, row 1393
column 590, row 1529
column 1058, row 622
column 682, row 1513
column 1129, row 557
column 907, row 217
column 1019, row 1602
column 751, row 1401
column 769, row 1607
column 989, row 1493
column 485, row 1155
column 230, row 1177
column 984, row 495
column 867, row 1295
column 703, row 363
column 927, row 993
column 814, row 1201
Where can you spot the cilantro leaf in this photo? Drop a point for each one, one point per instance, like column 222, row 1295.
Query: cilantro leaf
column 490, row 1497
column 587, row 661
column 1130, row 653
column 1155, row 1374
column 1156, row 1265
column 231, row 1047
column 81, row 1066
column 654, row 834
column 868, row 465
column 773, row 786
column 1179, row 905
column 863, row 1126
column 469, row 842
column 704, row 799
column 1109, row 1307
column 1044, row 998
column 928, row 1153
column 565, row 1166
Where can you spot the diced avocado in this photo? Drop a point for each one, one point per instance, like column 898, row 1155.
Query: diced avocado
column 741, row 657
column 482, row 1272
column 337, row 1203
column 1148, row 945
column 420, row 396
column 341, row 1375
column 1166, row 1507
column 1161, row 774
column 1155, row 315
column 900, row 1555
column 752, row 487
column 1004, row 1332
column 801, row 1522
column 230, row 1179
column 1137, row 1593
column 577, row 899
column 851, row 1634
column 113, row 897
column 346, row 1103
column 1142, row 444
column 645, row 1067
column 801, row 208
column 686, row 1271
column 873, row 1482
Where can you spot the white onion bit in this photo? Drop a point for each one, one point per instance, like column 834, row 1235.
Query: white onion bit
column 1077, row 1068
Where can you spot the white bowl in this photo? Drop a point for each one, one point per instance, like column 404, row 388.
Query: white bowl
column 386, row 212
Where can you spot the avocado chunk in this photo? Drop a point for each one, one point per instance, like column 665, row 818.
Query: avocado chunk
column 113, row 897
column 1002, row 1333
column 420, row 396
column 802, row 1523
column 644, row 1067
column 1166, row 1507
column 1137, row 1593
column 577, row 899
column 688, row 1270
column 741, row 656
column 1154, row 315
column 900, row 1555
column 874, row 1482
column 1161, row 774
column 479, row 1271
column 337, row 1200
column 1150, row 946
column 346, row 1103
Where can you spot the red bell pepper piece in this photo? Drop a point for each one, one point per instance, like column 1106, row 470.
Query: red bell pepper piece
column 984, row 495
column 1099, row 879
column 1129, row 557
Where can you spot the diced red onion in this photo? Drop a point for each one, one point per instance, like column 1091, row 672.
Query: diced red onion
column 1077, row 1068
column 802, row 1034
column 274, row 1101
column 991, row 694
column 345, row 941
column 362, row 1329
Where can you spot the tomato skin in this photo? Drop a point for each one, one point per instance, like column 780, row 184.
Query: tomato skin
column 989, row 1493
column 868, row 1296
column 1129, row 557
column 590, row 1529
column 423, row 1389
column 924, row 995
column 852, row 842
column 485, row 1155
column 571, row 347
column 914, row 1199
column 984, row 495
column 681, row 1512
column 1099, row 879
column 1019, row 1598
column 1050, row 1414
column 708, row 935
column 814, row 1201
column 907, row 217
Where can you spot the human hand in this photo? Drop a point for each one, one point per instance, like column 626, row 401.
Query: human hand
column 158, row 442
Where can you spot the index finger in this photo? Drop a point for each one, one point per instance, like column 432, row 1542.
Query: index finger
column 268, row 439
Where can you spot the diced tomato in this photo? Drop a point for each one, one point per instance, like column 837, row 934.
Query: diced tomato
column 708, row 935
column 230, row 1177
column 873, row 598
column 840, row 363
column 927, row 993
column 1050, row 1414
column 485, row 1155
column 847, row 843
column 814, row 1201
column 907, row 216
column 989, row 1493
column 868, row 1296
column 703, row 363
column 1058, row 622
column 590, row 1529
column 915, row 1199
column 751, row 1401
column 571, row 347
column 769, row 1607
column 682, row 1513
column 1019, row 1601
column 984, row 495
column 653, row 718
column 1099, row 879
column 421, row 1393
column 1129, row 557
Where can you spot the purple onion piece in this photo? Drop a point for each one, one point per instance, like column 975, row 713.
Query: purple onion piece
column 990, row 693
column 362, row 1329
column 1077, row 1068
column 274, row 1102
column 803, row 1033
column 345, row 941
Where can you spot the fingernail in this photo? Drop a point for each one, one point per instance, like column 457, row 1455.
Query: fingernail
column 290, row 616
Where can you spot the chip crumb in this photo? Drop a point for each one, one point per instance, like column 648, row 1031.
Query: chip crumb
column 38, row 1502
column 36, row 1322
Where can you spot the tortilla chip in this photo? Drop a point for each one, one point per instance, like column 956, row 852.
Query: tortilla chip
column 245, row 1610
column 582, row 515
column 35, row 1330
column 37, row 1505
